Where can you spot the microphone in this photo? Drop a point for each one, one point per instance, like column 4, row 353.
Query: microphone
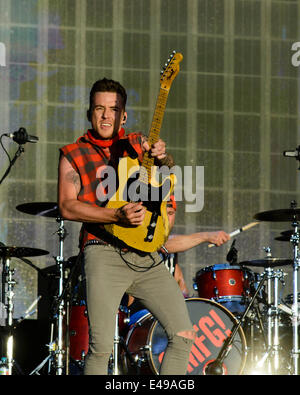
column 292, row 154
column 22, row 137
column 232, row 254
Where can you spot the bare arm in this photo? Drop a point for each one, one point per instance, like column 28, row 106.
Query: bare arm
column 72, row 209
column 180, row 243
column 178, row 275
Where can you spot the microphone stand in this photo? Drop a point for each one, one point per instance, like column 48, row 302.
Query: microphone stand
column 215, row 367
column 12, row 162
column 295, row 154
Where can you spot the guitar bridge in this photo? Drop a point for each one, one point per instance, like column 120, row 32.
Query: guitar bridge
column 151, row 227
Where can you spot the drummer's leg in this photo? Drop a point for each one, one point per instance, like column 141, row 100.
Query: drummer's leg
column 161, row 295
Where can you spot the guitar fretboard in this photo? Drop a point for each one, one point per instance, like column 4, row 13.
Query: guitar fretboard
column 148, row 162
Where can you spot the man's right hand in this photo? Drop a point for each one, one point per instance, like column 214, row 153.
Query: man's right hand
column 132, row 214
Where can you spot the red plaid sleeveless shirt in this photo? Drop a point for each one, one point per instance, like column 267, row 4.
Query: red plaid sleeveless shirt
column 86, row 158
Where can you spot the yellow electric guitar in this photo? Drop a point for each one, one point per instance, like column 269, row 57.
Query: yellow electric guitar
column 139, row 182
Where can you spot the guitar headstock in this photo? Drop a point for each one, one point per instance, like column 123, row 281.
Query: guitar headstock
column 170, row 70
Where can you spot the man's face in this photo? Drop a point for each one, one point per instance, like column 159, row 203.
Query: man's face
column 107, row 114
column 171, row 215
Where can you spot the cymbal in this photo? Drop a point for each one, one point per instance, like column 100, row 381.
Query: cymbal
column 285, row 236
column 44, row 209
column 280, row 215
column 268, row 262
column 287, row 232
column 19, row 252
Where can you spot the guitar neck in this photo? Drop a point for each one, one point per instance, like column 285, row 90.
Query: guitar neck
column 154, row 133
column 158, row 116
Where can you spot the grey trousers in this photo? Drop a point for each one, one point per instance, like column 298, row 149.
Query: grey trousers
column 108, row 277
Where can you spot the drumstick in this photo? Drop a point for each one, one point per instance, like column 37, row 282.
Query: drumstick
column 237, row 231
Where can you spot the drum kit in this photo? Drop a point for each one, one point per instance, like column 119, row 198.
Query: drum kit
column 238, row 314
column 240, row 319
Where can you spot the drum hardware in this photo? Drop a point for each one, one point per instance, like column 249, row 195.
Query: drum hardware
column 254, row 315
column 215, row 367
column 119, row 344
column 60, row 303
column 57, row 349
column 273, row 311
column 59, row 344
column 285, row 309
column 216, row 292
column 7, row 295
column 51, row 357
column 292, row 214
column 116, row 347
column 295, row 306
column 61, row 309
column 52, row 345
column 273, row 318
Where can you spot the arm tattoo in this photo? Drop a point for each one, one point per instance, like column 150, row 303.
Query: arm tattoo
column 73, row 177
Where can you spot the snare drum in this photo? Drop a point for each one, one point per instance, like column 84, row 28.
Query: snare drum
column 146, row 341
column 225, row 284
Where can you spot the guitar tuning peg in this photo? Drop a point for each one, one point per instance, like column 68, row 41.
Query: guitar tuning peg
column 161, row 72
column 166, row 65
column 174, row 52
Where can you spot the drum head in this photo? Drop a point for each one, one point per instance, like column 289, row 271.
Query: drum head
column 213, row 324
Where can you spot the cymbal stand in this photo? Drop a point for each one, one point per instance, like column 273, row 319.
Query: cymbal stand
column 7, row 297
column 49, row 358
column 254, row 316
column 295, row 306
column 215, row 367
column 60, row 309
column 273, row 346
column 116, row 347
column 119, row 341
column 56, row 345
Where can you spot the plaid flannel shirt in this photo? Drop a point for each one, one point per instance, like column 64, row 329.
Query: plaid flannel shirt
column 86, row 158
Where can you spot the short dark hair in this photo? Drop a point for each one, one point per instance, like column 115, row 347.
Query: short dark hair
column 106, row 85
